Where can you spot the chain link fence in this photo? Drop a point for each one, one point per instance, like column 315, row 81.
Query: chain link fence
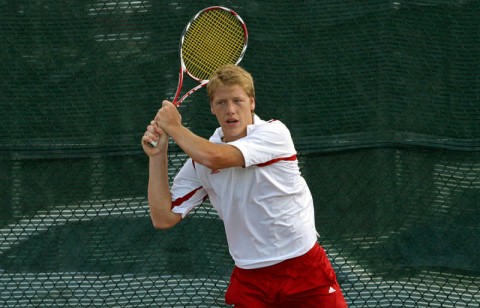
column 382, row 99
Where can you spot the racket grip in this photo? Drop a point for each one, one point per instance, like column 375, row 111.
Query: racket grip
column 153, row 144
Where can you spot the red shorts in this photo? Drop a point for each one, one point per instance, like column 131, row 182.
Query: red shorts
column 305, row 281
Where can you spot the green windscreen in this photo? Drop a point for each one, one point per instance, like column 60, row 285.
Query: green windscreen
column 382, row 99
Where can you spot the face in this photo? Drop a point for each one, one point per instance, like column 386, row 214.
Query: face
column 233, row 109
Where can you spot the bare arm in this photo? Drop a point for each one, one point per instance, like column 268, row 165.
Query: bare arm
column 159, row 197
column 211, row 155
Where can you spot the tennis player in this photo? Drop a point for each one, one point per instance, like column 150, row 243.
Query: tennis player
column 249, row 171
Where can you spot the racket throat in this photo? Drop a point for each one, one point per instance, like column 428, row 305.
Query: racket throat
column 179, row 87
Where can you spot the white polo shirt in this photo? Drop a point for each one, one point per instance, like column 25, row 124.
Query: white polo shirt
column 266, row 207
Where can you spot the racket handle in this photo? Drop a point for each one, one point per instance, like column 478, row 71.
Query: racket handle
column 153, row 144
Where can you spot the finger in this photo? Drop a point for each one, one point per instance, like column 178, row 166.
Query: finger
column 156, row 119
column 167, row 103
column 154, row 128
column 157, row 128
column 148, row 137
column 150, row 132
column 151, row 129
column 146, row 140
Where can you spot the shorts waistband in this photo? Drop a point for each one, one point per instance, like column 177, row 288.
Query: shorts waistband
column 287, row 263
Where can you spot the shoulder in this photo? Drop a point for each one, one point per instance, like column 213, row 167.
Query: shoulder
column 272, row 123
column 272, row 126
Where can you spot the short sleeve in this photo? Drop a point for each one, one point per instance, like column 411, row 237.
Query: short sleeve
column 265, row 143
column 187, row 191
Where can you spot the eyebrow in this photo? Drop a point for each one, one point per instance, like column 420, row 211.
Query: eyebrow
column 231, row 98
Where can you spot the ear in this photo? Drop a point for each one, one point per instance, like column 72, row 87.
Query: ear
column 252, row 103
column 211, row 108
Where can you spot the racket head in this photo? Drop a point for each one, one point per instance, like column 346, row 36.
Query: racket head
column 214, row 37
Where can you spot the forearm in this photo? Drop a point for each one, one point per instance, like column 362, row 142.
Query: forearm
column 202, row 151
column 199, row 149
column 159, row 196
column 211, row 155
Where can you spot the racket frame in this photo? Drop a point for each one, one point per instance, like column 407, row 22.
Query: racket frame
column 183, row 68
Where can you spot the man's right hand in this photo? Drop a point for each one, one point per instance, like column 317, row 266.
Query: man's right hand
column 154, row 133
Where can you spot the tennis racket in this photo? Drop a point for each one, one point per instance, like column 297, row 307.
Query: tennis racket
column 214, row 37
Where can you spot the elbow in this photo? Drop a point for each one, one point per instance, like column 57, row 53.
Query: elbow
column 213, row 161
column 212, row 165
column 164, row 224
column 220, row 157
column 164, row 220
column 161, row 225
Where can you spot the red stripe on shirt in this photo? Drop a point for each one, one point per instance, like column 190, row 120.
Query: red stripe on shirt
column 291, row 158
column 180, row 200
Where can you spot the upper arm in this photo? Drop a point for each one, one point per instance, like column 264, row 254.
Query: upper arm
column 266, row 143
column 209, row 154
column 224, row 156
column 187, row 190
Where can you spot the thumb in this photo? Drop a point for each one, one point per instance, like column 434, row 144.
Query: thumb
column 166, row 103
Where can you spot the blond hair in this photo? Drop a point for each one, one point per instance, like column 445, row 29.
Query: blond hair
column 230, row 75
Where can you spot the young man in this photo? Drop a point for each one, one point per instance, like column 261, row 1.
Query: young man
column 249, row 171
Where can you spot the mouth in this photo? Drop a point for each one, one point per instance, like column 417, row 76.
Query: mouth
column 231, row 122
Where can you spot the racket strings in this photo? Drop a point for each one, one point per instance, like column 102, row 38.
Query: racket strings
column 213, row 39
column 215, row 47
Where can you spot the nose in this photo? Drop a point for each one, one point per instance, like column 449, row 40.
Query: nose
column 230, row 108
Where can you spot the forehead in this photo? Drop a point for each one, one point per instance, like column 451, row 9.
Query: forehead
column 228, row 91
